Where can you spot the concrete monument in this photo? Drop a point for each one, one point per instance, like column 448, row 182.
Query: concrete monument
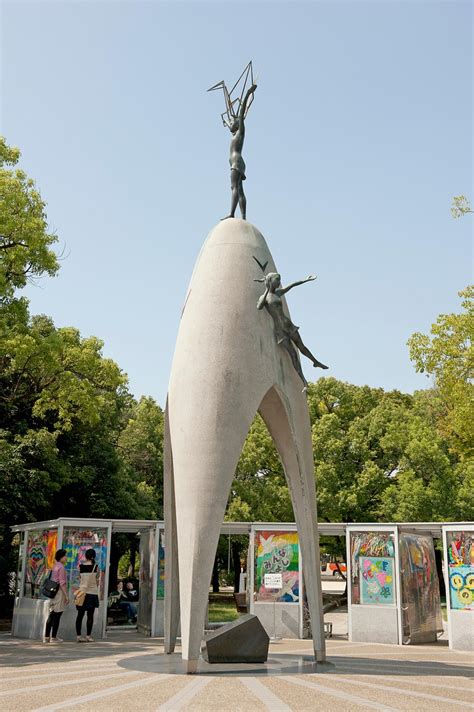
column 228, row 366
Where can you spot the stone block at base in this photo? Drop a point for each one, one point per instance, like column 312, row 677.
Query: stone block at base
column 242, row 641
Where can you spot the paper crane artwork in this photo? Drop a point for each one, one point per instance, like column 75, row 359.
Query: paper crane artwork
column 234, row 98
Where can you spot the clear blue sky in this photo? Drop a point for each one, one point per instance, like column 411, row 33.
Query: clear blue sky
column 360, row 134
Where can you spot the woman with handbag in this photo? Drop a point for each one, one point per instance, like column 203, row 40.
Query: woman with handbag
column 87, row 596
column 60, row 601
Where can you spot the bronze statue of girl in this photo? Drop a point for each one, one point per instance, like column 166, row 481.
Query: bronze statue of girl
column 237, row 163
column 286, row 333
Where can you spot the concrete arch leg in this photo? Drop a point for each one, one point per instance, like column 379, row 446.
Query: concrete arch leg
column 199, row 512
column 171, row 617
column 289, row 425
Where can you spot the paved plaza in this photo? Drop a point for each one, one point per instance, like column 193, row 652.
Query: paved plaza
column 127, row 671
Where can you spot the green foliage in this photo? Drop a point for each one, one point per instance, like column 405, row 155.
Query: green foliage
column 364, row 442
column 73, row 442
column 54, row 376
column 259, row 491
column 64, row 407
column 25, row 243
column 460, row 206
column 447, row 355
column 60, row 410
column 140, row 444
column 378, row 457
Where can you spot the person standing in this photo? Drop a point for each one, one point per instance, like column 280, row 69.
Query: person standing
column 60, row 601
column 87, row 595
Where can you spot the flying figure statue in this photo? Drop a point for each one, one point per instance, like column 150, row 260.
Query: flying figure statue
column 234, row 119
column 286, row 333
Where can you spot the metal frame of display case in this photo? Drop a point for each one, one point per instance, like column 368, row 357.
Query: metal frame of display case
column 157, row 621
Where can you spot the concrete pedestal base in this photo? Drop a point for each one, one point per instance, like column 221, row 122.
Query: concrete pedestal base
column 242, row 641
column 461, row 630
column 374, row 624
column 280, row 620
column 30, row 616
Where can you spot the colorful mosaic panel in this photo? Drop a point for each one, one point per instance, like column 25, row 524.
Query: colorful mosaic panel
column 375, row 544
column 277, row 552
column 461, row 569
column 76, row 541
column 40, row 550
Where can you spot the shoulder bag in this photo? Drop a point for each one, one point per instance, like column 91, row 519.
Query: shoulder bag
column 50, row 587
column 79, row 597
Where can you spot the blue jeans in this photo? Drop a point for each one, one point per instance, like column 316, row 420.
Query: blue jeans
column 129, row 608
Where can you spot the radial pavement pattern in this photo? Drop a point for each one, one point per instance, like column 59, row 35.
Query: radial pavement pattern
column 125, row 672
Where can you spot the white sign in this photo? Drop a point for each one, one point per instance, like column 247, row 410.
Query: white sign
column 273, row 581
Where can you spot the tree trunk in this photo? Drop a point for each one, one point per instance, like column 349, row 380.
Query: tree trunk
column 236, row 549
column 439, row 570
column 8, row 565
column 115, row 554
column 215, row 577
column 133, row 557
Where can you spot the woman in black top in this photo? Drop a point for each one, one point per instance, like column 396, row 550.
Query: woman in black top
column 87, row 596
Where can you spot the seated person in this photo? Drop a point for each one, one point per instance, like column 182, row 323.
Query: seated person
column 131, row 592
column 120, row 599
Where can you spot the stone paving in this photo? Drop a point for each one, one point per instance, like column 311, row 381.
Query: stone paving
column 127, row 671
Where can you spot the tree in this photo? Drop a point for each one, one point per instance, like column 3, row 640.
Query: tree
column 447, row 355
column 356, row 448
column 378, row 456
column 140, row 445
column 424, row 487
column 63, row 410
column 60, row 408
column 73, row 442
column 25, row 243
column 259, row 491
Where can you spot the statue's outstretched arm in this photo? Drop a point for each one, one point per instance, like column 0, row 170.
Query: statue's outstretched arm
column 284, row 290
column 243, row 108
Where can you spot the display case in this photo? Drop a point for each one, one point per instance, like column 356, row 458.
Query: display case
column 393, row 592
column 373, row 584
column 276, row 594
column 38, row 543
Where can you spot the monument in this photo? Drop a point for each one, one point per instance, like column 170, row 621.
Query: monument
column 235, row 356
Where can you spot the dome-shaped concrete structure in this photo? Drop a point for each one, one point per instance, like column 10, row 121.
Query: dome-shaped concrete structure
column 226, row 367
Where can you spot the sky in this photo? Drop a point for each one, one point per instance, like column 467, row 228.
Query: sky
column 359, row 136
